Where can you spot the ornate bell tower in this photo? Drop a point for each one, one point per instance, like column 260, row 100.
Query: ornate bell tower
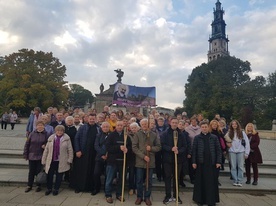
column 218, row 41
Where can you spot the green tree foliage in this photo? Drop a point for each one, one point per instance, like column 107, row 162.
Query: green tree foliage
column 224, row 86
column 213, row 88
column 30, row 79
column 267, row 112
column 79, row 96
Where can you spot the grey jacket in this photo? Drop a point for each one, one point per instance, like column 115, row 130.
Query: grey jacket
column 139, row 143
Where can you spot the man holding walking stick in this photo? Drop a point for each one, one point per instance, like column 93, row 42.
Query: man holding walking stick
column 145, row 141
column 115, row 147
column 173, row 149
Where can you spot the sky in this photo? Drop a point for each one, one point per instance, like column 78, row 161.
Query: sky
column 155, row 42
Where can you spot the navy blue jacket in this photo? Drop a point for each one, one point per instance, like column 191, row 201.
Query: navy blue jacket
column 81, row 138
column 100, row 145
column 167, row 142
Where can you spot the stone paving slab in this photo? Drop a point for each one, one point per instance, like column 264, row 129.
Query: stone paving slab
column 12, row 196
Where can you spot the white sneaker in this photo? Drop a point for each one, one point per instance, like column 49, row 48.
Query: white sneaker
column 172, row 199
column 239, row 184
column 235, row 184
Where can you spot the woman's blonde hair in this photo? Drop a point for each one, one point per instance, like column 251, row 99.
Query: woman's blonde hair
column 214, row 121
column 253, row 128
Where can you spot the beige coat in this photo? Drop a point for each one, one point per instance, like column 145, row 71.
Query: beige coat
column 65, row 156
column 139, row 143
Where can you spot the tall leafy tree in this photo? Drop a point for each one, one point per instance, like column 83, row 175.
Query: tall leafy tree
column 32, row 78
column 214, row 87
column 79, row 96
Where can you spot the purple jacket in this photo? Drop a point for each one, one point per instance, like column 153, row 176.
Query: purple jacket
column 33, row 146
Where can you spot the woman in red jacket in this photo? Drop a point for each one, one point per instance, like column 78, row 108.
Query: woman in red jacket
column 255, row 155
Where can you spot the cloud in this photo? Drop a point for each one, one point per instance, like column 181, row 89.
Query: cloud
column 156, row 43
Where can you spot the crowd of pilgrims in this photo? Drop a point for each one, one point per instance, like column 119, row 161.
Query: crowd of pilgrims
column 87, row 150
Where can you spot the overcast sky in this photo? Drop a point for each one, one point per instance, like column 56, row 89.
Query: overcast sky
column 155, row 42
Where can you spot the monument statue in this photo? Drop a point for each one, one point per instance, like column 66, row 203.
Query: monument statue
column 101, row 88
column 120, row 74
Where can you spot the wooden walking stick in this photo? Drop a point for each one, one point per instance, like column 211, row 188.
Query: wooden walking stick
column 147, row 166
column 124, row 166
column 175, row 138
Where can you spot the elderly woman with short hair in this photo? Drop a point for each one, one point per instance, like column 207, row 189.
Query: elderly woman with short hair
column 134, row 128
column 57, row 156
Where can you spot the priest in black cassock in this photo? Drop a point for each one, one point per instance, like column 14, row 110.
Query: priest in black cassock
column 206, row 158
column 84, row 161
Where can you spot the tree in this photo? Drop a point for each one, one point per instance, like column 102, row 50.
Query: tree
column 79, row 96
column 32, row 79
column 213, row 88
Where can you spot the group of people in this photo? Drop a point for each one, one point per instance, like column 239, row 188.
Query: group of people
column 81, row 147
column 8, row 118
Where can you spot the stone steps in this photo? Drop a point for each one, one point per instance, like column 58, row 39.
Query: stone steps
column 14, row 159
column 18, row 177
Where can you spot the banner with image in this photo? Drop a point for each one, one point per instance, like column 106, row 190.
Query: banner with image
column 126, row 95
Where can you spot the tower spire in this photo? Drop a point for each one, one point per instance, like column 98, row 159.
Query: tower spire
column 218, row 41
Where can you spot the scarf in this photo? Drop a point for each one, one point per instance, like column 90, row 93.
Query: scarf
column 56, row 148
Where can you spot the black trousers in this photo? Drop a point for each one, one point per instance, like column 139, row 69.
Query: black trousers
column 98, row 171
column 159, row 168
column 50, row 176
column 169, row 170
column 34, row 168
column 4, row 125
column 192, row 171
column 12, row 125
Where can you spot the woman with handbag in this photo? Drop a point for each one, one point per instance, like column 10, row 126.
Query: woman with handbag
column 57, row 157
column 33, row 151
column 255, row 155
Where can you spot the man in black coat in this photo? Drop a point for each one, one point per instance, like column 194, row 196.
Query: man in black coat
column 206, row 158
column 169, row 151
column 114, row 163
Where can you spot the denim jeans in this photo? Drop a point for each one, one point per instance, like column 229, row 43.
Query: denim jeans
column 111, row 171
column 140, row 172
column 237, row 165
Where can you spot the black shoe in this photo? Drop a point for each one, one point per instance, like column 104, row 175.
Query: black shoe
column 248, row 182
column 28, row 189
column 182, row 184
column 48, row 192
column 55, row 193
column 255, row 183
column 179, row 200
column 219, row 184
column 167, row 200
column 38, row 189
column 94, row 192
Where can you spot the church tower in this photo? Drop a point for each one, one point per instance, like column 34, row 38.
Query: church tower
column 218, row 41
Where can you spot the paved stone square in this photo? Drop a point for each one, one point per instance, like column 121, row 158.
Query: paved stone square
column 15, row 196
